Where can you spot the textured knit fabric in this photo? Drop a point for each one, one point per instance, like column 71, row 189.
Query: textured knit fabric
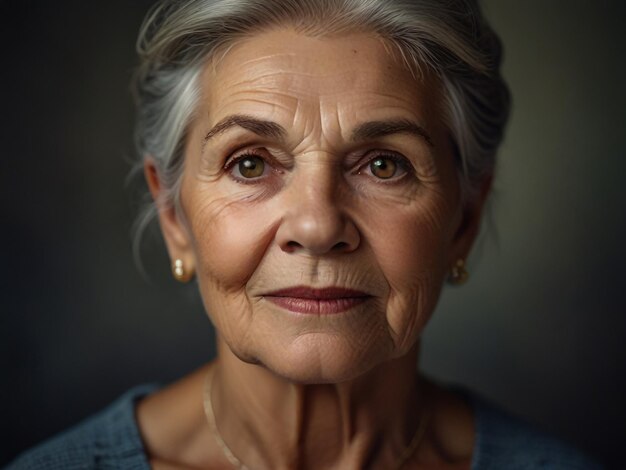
column 107, row 440
column 505, row 442
column 111, row 440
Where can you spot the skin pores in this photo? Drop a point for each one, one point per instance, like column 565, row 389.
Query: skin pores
column 330, row 167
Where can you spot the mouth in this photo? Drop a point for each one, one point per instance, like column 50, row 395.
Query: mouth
column 307, row 300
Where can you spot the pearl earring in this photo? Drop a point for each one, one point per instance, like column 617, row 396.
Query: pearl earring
column 458, row 273
column 179, row 272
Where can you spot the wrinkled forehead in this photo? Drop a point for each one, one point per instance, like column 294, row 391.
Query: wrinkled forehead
column 315, row 69
column 315, row 55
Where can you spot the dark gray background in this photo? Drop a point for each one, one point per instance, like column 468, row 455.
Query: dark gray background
column 539, row 328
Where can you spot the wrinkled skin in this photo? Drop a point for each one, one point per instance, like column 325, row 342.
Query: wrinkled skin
column 316, row 211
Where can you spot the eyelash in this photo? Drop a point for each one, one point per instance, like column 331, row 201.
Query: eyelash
column 399, row 160
column 232, row 162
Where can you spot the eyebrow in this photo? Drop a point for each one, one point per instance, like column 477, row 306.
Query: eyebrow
column 375, row 129
column 365, row 131
column 252, row 124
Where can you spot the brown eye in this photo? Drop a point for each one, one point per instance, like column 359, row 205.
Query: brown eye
column 251, row 167
column 383, row 167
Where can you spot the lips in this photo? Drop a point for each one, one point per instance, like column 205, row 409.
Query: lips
column 329, row 300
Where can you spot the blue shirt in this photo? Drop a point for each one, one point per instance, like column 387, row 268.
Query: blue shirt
column 111, row 440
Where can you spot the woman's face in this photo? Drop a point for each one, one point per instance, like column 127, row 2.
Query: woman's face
column 320, row 204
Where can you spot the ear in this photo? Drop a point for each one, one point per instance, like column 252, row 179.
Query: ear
column 175, row 233
column 471, row 221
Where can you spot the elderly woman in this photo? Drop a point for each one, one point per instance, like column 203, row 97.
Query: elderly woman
column 319, row 169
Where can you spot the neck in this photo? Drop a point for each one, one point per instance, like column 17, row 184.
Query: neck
column 369, row 421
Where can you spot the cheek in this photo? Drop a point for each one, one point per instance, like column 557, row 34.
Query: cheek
column 230, row 239
column 411, row 247
column 410, row 240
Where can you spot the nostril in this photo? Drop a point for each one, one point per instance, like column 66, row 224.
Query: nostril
column 293, row 245
column 317, row 234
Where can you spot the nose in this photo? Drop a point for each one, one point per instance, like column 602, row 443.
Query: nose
column 314, row 221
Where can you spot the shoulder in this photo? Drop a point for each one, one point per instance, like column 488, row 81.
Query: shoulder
column 109, row 439
column 504, row 441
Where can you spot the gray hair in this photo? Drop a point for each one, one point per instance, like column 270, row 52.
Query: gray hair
column 449, row 38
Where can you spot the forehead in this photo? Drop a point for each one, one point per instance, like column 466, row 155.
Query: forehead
column 286, row 74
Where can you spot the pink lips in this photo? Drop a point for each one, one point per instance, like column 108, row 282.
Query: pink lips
column 325, row 301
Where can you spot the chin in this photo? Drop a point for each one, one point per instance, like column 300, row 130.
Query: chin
column 321, row 358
